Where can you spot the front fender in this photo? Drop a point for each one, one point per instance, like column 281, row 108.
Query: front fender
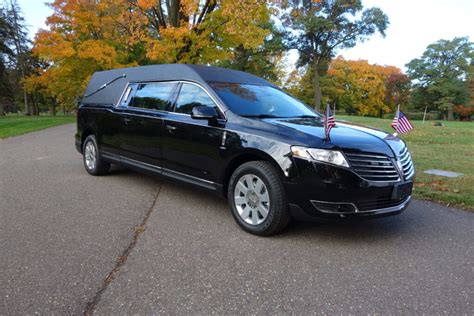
column 277, row 152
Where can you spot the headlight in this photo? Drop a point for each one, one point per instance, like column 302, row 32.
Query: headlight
column 329, row 156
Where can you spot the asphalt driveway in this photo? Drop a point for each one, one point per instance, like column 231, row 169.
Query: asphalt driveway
column 73, row 243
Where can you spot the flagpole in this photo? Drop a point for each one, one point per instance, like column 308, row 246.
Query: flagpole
column 397, row 115
column 326, row 123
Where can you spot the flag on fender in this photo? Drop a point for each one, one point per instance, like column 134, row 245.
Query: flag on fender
column 329, row 121
column 401, row 124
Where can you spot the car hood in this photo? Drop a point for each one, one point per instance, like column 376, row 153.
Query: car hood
column 345, row 136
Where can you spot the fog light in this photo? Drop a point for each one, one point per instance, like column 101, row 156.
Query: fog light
column 334, row 207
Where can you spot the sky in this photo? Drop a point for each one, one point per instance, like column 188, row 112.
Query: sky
column 414, row 24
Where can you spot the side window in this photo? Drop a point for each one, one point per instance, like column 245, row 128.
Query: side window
column 154, row 96
column 190, row 96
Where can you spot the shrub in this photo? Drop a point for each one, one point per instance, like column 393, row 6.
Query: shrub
column 465, row 113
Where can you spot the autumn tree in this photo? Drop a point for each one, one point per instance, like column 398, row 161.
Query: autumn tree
column 265, row 60
column 466, row 111
column 360, row 88
column 319, row 28
column 397, row 89
column 84, row 37
column 299, row 84
column 196, row 31
column 440, row 75
column 88, row 36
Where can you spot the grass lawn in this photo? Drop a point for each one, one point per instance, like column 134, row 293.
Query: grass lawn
column 449, row 147
column 13, row 125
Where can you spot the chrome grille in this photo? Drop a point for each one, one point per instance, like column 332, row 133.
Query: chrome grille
column 373, row 167
column 407, row 164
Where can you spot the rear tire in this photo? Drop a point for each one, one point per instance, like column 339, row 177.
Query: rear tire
column 257, row 198
column 92, row 161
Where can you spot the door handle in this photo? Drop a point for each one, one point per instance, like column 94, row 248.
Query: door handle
column 170, row 128
column 127, row 120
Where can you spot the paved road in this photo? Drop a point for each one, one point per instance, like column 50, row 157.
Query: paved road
column 63, row 232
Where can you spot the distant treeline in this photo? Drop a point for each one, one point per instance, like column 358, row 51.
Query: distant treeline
column 50, row 73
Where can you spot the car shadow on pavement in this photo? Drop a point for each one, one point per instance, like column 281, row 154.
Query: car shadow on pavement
column 116, row 170
column 345, row 231
column 350, row 231
column 353, row 231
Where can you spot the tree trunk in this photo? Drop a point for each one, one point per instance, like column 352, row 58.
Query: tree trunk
column 317, row 87
column 34, row 106
column 53, row 105
column 2, row 109
column 25, row 97
column 173, row 12
column 450, row 113
column 241, row 57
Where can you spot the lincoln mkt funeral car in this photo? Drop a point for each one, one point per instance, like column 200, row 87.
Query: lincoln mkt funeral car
column 241, row 136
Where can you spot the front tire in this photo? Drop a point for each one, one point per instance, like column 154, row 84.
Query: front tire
column 257, row 198
column 92, row 161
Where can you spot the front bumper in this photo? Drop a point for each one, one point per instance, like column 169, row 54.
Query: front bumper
column 345, row 209
column 325, row 191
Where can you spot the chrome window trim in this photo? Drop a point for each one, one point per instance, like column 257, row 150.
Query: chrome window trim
column 208, row 94
column 145, row 109
column 217, row 103
column 127, row 93
column 120, row 100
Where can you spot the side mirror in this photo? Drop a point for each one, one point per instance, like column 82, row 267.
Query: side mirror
column 203, row 112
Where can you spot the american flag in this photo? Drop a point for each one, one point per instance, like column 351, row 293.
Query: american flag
column 400, row 122
column 329, row 121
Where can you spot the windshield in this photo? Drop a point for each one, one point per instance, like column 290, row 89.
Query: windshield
column 261, row 101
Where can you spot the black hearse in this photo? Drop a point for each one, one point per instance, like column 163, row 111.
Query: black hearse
column 241, row 136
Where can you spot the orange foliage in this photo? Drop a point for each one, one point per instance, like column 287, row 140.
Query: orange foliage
column 358, row 86
column 86, row 36
column 464, row 112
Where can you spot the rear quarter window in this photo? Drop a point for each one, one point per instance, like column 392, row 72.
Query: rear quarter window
column 153, row 96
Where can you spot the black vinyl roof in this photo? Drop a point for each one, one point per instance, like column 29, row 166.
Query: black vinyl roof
column 117, row 79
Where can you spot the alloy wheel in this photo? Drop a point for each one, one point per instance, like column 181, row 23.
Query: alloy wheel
column 90, row 153
column 252, row 199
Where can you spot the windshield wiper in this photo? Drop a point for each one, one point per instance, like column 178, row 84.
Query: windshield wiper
column 305, row 116
column 262, row 116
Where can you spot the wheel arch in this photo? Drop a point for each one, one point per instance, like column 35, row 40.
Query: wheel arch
column 243, row 157
column 85, row 133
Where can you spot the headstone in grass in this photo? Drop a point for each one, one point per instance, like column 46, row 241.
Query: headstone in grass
column 438, row 124
column 443, row 173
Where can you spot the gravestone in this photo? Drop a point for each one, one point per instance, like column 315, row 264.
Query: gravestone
column 443, row 173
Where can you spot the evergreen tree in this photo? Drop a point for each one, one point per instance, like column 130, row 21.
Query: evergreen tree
column 20, row 46
column 6, row 54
